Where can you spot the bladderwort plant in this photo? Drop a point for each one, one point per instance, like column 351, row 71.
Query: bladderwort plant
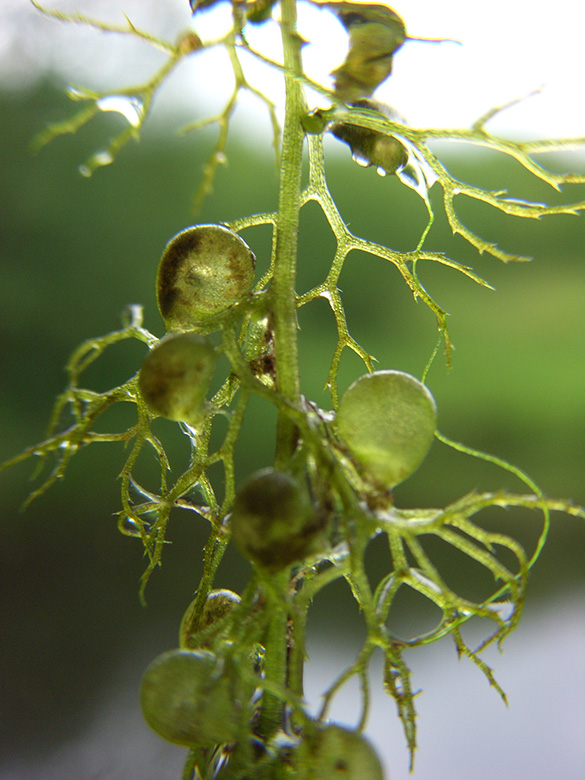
column 232, row 692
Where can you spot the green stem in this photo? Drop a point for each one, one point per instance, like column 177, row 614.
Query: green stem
column 296, row 652
column 276, row 657
column 284, row 321
column 286, row 233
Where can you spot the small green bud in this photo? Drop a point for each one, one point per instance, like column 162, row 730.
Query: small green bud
column 176, row 375
column 273, row 521
column 376, row 32
column 314, row 122
column 354, row 15
column 198, row 5
column 258, row 11
column 204, row 271
column 388, row 420
column 331, row 752
column 189, row 698
column 218, row 604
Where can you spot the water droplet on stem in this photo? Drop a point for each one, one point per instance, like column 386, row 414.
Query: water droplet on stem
column 131, row 108
column 98, row 160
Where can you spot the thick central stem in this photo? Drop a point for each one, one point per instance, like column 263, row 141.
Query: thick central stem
column 286, row 237
column 284, row 321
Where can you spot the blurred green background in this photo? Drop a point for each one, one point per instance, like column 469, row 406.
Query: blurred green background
column 74, row 252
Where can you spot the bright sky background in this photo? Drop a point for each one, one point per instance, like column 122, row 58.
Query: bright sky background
column 508, row 49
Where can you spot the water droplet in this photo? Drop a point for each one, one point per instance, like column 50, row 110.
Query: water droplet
column 381, row 171
column 417, row 173
column 130, row 527
column 130, row 107
column 504, row 609
column 360, row 159
column 78, row 93
column 97, row 160
column 192, row 433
